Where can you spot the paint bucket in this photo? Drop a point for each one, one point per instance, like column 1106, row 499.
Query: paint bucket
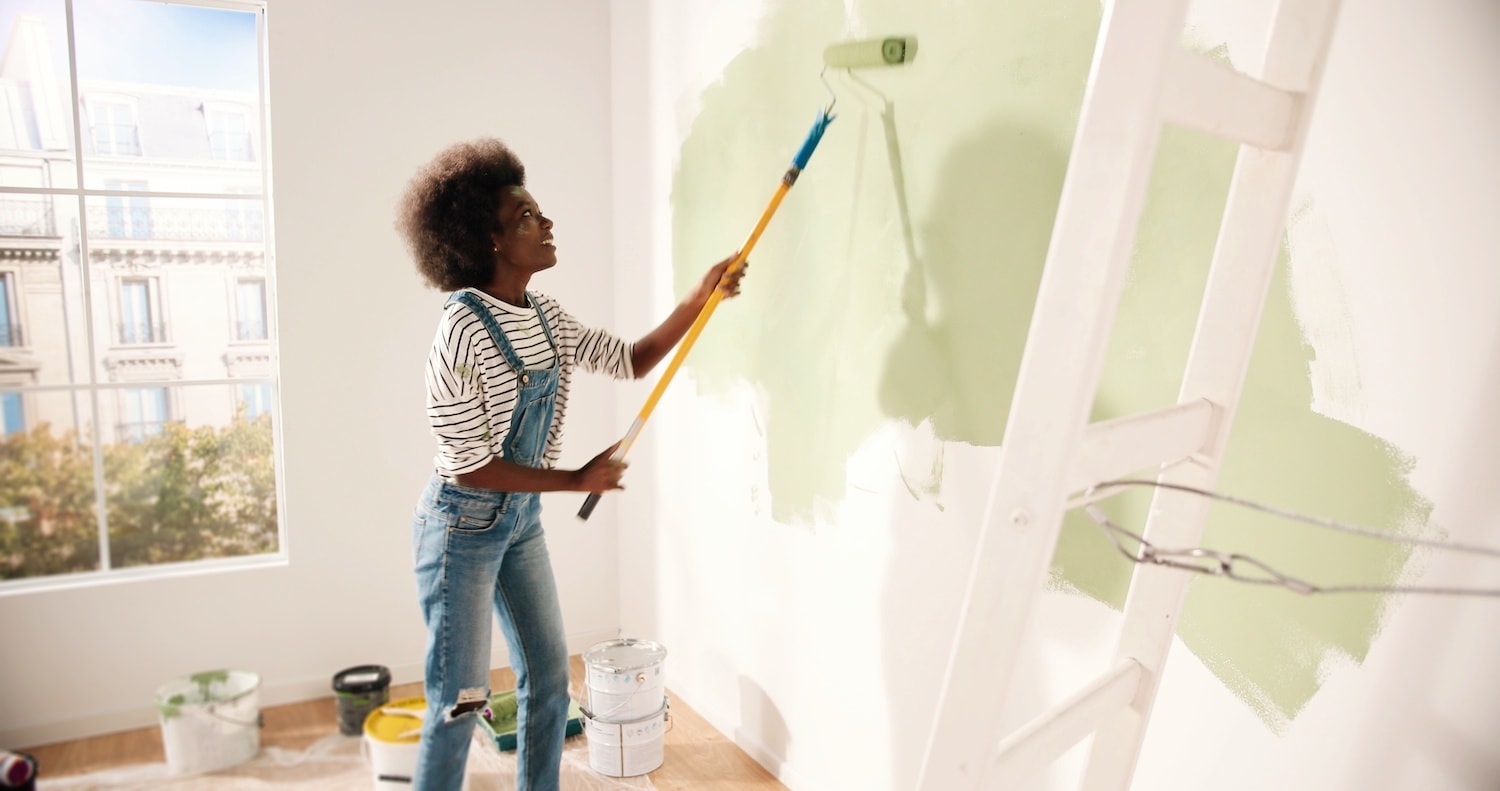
column 625, row 682
column 627, row 749
column 209, row 721
column 357, row 692
column 393, row 732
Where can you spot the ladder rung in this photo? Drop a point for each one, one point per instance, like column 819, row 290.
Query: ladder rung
column 1112, row 448
column 1044, row 739
column 1210, row 96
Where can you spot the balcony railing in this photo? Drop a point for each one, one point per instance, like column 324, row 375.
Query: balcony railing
column 10, row 336
column 21, row 217
column 143, row 333
column 175, row 224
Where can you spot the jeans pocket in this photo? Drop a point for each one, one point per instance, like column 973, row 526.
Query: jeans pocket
column 477, row 518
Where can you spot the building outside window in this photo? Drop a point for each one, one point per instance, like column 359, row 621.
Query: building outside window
column 146, row 411
column 137, row 401
column 229, row 134
column 243, row 220
column 250, row 307
column 10, row 325
column 12, row 413
column 114, row 128
column 140, row 311
column 127, row 216
column 256, row 400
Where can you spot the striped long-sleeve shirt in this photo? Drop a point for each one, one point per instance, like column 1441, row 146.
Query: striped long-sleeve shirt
column 471, row 389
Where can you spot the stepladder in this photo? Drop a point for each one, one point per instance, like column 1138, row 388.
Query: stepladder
column 1141, row 79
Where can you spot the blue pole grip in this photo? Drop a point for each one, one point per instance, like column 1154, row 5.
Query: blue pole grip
column 811, row 143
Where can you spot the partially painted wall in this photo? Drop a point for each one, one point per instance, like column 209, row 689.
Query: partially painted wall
column 846, row 326
column 818, row 478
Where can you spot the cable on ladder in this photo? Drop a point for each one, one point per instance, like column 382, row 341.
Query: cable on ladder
column 1243, row 568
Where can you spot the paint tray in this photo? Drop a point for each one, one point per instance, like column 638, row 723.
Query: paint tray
column 502, row 719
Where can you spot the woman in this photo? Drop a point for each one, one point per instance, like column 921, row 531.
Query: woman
column 497, row 390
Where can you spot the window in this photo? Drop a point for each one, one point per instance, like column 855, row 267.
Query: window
column 140, row 312
column 229, row 134
column 146, row 411
column 10, row 326
column 250, row 310
column 137, row 247
column 127, row 216
column 256, row 400
column 12, row 413
column 243, row 220
column 113, row 128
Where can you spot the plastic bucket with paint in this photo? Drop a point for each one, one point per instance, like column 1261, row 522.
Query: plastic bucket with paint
column 627, row 749
column 359, row 691
column 393, row 732
column 625, row 680
column 209, row 721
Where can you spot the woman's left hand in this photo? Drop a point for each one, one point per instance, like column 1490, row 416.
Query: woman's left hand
column 719, row 276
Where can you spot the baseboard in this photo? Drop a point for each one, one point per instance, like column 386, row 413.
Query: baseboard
column 277, row 694
column 772, row 762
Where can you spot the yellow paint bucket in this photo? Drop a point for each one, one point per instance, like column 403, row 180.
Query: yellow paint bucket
column 393, row 733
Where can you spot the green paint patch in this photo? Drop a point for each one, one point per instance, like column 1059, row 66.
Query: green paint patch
column 843, row 330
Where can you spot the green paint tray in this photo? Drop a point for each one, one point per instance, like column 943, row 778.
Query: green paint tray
column 502, row 719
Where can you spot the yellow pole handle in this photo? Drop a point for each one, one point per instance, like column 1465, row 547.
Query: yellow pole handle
column 686, row 345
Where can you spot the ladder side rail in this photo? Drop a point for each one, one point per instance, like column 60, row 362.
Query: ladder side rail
column 1094, row 231
column 1243, row 265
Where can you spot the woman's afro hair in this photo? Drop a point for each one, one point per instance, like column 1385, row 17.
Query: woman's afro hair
column 451, row 207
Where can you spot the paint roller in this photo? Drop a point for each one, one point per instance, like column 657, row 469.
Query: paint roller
column 866, row 53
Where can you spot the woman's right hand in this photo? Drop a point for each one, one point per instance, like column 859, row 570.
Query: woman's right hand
column 602, row 473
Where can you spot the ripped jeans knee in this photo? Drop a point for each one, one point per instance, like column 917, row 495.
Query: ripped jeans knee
column 470, row 700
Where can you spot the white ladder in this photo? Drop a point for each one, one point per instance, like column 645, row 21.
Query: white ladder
column 1141, row 78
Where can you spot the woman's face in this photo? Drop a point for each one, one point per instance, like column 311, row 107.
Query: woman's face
column 525, row 237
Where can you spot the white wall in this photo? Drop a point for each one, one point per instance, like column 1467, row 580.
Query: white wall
column 818, row 647
column 361, row 94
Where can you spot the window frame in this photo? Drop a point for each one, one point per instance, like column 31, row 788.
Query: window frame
column 107, row 371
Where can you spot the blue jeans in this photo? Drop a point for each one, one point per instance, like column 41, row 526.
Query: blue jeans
column 476, row 549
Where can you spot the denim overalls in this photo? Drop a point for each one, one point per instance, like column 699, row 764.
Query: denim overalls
column 476, row 549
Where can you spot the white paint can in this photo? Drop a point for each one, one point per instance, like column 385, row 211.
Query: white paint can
column 627, row 749
column 625, row 680
column 209, row 721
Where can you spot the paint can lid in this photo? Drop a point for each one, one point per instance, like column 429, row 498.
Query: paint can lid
column 624, row 655
column 397, row 722
column 364, row 678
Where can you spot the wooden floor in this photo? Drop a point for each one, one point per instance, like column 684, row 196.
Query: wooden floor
column 697, row 756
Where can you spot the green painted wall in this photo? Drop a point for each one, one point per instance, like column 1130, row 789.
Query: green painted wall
column 843, row 327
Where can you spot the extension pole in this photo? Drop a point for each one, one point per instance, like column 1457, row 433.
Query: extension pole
column 799, row 162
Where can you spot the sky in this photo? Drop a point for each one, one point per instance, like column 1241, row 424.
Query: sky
column 149, row 42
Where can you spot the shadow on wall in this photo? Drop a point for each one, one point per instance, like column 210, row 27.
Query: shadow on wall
column 761, row 724
column 967, row 300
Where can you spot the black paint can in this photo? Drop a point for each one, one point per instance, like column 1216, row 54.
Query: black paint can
column 359, row 691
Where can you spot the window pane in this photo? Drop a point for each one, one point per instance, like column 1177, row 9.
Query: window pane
column 175, row 283
column 43, row 330
column 47, row 502
column 202, row 486
column 36, row 120
column 164, row 86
